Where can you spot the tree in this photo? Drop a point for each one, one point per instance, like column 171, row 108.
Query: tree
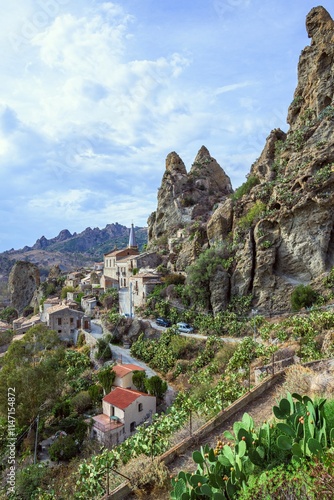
column 139, row 379
column 33, row 366
column 103, row 349
column 156, row 386
column 8, row 314
column 106, row 377
column 200, row 274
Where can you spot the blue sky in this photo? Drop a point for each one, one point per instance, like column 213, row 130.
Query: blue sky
column 95, row 94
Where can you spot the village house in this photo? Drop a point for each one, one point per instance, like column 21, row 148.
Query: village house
column 74, row 279
column 124, row 408
column 123, row 411
column 89, row 304
column 4, row 326
column 123, row 268
column 119, row 264
column 21, row 325
column 107, row 282
column 141, row 285
column 124, row 375
column 66, row 321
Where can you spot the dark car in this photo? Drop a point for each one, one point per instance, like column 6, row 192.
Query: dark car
column 163, row 322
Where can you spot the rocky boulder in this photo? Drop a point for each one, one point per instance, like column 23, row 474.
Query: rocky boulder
column 24, row 279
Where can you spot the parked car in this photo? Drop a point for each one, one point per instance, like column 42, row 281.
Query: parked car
column 184, row 327
column 163, row 322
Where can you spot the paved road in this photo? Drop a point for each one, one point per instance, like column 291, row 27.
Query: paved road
column 120, row 353
column 194, row 335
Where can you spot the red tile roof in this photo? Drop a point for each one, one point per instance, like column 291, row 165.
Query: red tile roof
column 122, row 370
column 122, row 398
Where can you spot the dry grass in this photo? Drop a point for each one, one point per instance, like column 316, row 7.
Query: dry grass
column 304, row 380
column 148, row 478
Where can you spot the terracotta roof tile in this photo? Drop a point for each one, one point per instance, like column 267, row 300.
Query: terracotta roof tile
column 122, row 398
column 122, row 370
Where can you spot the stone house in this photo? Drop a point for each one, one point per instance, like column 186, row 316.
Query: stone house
column 22, row 325
column 74, row 279
column 88, row 304
column 141, row 285
column 66, row 321
column 107, row 282
column 123, row 411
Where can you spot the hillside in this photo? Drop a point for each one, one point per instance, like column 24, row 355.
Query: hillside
column 277, row 229
column 69, row 251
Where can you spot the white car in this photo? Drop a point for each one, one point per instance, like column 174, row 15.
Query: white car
column 184, row 327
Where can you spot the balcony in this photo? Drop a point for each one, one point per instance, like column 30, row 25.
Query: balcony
column 106, row 424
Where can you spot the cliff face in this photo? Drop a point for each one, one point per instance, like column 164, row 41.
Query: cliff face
column 281, row 230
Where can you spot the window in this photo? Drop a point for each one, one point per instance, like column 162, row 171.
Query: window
column 71, row 320
column 140, row 407
column 59, row 321
column 132, row 426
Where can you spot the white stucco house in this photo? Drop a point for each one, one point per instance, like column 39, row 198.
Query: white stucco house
column 124, row 373
column 123, row 411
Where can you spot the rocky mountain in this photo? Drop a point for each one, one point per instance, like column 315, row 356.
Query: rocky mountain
column 279, row 226
column 186, row 202
column 68, row 251
column 94, row 242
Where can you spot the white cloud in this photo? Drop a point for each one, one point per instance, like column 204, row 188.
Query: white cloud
column 95, row 94
column 232, row 87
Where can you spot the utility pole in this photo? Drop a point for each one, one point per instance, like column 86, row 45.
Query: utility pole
column 36, row 439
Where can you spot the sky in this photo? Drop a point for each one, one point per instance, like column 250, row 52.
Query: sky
column 95, row 94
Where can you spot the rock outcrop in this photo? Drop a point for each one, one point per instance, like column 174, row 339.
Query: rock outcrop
column 185, row 203
column 280, row 227
column 24, row 279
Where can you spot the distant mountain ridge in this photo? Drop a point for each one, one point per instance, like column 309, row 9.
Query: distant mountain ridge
column 70, row 251
column 95, row 241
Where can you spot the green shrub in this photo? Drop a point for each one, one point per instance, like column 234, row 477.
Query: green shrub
column 8, row 314
column 252, row 215
column 303, row 296
column 64, row 448
column 245, row 187
column 6, row 337
column 81, row 339
column 28, row 480
column 103, row 352
column 81, row 402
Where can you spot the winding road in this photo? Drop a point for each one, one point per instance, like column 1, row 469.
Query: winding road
column 124, row 356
